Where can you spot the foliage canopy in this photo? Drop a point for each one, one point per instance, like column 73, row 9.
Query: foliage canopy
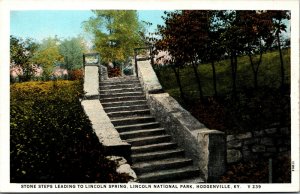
column 47, row 55
column 116, row 33
column 21, row 52
column 72, row 50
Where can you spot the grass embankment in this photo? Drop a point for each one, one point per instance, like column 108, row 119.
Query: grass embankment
column 51, row 138
column 268, row 76
column 253, row 109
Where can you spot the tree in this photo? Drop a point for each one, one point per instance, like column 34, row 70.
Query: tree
column 21, row 51
column 71, row 50
column 215, row 48
column 168, row 43
column 116, row 33
column 196, row 23
column 232, row 40
column 257, row 29
column 47, row 56
column 278, row 17
column 185, row 37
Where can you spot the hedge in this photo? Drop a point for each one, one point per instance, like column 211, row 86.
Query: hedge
column 51, row 139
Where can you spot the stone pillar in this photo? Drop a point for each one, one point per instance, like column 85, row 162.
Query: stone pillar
column 103, row 73
column 213, row 154
column 91, row 81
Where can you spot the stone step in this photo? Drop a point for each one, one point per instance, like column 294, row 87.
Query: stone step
column 142, row 133
column 122, row 90
column 142, row 157
column 153, row 147
column 119, row 81
column 142, row 167
column 126, row 108
column 132, row 120
column 155, row 158
column 122, row 98
column 115, row 95
column 141, row 141
column 196, row 179
column 135, row 127
column 119, row 86
column 168, row 175
column 124, row 103
column 129, row 113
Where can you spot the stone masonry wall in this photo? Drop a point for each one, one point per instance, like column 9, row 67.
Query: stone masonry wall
column 258, row 144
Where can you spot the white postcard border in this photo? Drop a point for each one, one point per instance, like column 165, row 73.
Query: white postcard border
column 8, row 5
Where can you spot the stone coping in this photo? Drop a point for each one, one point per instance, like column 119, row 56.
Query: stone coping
column 148, row 78
column 104, row 129
column 205, row 146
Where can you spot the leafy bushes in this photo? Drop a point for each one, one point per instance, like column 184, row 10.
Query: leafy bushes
column 258, row 171
column 76, row 74
column 52, row 139
column 212, row 113
column 254, row 110
column 114, row 72
column 247, row 172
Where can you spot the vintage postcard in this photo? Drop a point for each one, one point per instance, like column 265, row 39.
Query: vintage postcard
column 149, row 96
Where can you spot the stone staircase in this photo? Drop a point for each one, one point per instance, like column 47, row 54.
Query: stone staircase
column 155, row 157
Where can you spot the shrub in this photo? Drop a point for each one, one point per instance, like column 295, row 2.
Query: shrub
column 76, row 74
column 51, row 138
column 211, row 113
column 257, row 171
column 247, row 172
column 114, row 72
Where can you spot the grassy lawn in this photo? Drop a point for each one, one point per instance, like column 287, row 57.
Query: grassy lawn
column 269, row 75
column 51, row 139
column 254, row 109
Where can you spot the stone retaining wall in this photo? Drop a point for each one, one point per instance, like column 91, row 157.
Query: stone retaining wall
column 264, row 143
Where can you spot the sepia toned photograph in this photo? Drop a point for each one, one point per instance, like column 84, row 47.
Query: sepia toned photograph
column 190, row 99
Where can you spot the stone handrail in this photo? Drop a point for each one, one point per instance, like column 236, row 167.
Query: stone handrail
column 148, row 78
column 206, row 147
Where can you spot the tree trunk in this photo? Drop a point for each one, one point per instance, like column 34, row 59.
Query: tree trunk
column 255, row 67
column 214, row 77
column 177, row 75
column 233, row 60
column 255, row 84
column 198, row 80
column 281, row 62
